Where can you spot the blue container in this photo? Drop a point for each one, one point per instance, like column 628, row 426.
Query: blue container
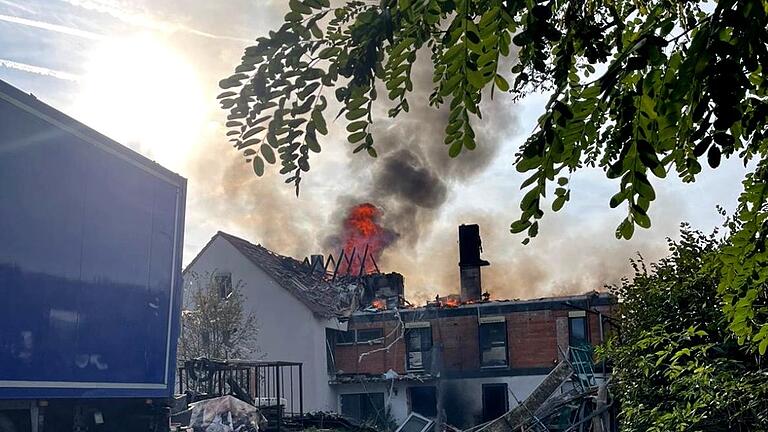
column 91, row 237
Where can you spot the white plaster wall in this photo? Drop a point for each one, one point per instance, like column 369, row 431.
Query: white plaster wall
column 466, row 394
column 288, row 330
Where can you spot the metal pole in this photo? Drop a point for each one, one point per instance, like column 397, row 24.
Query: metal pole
column 301, row 391
column 277, row 390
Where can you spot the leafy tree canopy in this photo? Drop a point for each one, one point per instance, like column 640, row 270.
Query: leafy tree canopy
column 639, row 88
column 677, row 367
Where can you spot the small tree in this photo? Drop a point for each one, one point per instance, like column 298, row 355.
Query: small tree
column 215, row 325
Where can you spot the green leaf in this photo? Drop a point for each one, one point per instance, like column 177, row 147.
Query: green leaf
column 618, row 198
column 357, row 136
column 558, row 203
column 501, row 83
column 357, row 125
column 319, row 121
column 454, row 149
column 356, row 114
column 519, row 226
column 300, row 7
column 268, row 153
column 625, row 230
column 258, row 166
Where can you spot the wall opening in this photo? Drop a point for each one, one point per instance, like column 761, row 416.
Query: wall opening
column 495, row 401
column 424, row 400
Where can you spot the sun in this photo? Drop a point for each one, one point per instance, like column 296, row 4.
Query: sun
column 143, row 93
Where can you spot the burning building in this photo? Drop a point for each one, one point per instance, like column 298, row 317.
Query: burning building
column 461, row 360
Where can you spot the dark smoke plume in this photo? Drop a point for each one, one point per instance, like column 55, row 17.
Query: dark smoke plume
column 413, row 177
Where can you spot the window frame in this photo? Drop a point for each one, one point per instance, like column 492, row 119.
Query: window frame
column 427, row 426
column 572, row 317
column 224, row 290
column 355, row 333
column 346, row 343
column 488, row 321
column 421, row 327
column 373, row 341
column 363, row 396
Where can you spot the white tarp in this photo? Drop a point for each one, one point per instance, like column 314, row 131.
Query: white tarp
column 225, row 414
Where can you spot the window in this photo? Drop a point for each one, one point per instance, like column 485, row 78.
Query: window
column 330, row 349
column 223, row 283
column 345, row 337
column 416, row 423
column 493, row 343
column 578, row 335
column 495, row 401
column 363, row 407
column 374, row 335
column 418, row 347
column 367, row 336
column 424, row 400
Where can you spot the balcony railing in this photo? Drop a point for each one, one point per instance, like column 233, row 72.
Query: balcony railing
column 276, row 388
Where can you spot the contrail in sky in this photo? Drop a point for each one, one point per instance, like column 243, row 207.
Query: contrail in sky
column 18, row 6
column 38, row 70
column 117, row 11
column 52, row 27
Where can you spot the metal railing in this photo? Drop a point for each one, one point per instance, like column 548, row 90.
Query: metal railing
column 276, row 388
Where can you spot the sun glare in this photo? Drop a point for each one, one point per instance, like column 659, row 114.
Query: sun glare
column 146, row 95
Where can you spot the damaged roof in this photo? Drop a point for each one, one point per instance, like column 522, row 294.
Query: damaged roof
column 324, row 298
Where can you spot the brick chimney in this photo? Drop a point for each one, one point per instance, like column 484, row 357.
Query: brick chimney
column 470, row 262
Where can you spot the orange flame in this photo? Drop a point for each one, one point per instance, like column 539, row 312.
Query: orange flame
column 379, row 304
column 361, row 231
column 451, row 302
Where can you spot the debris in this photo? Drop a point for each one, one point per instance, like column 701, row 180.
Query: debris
column 416, row 423
column 225, row 414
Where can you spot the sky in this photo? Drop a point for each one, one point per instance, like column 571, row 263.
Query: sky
column 146, row 72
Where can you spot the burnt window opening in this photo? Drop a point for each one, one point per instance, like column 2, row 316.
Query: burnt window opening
column 363, row 407
column 223, row 284
column 330, row 349
column 362, row 336
column 418, row 348
column 423, row 400
column 345, row 337
column 578, row 333
column 495, row 401
column 493, row 344
column 370, row 336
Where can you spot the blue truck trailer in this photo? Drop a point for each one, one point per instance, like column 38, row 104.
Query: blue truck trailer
column 91, row 238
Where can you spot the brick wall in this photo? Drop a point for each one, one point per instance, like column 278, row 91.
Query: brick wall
column 532, row 341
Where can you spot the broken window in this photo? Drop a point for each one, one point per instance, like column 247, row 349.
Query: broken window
column 223, row 284
column 418, row 347
column 416, row 423
column 374, row 335
column 330, row 349
column 495, row 401
column 578, row 335
column 345, row 337
column 424, row 400
column 363, row 407
column 493, row 342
